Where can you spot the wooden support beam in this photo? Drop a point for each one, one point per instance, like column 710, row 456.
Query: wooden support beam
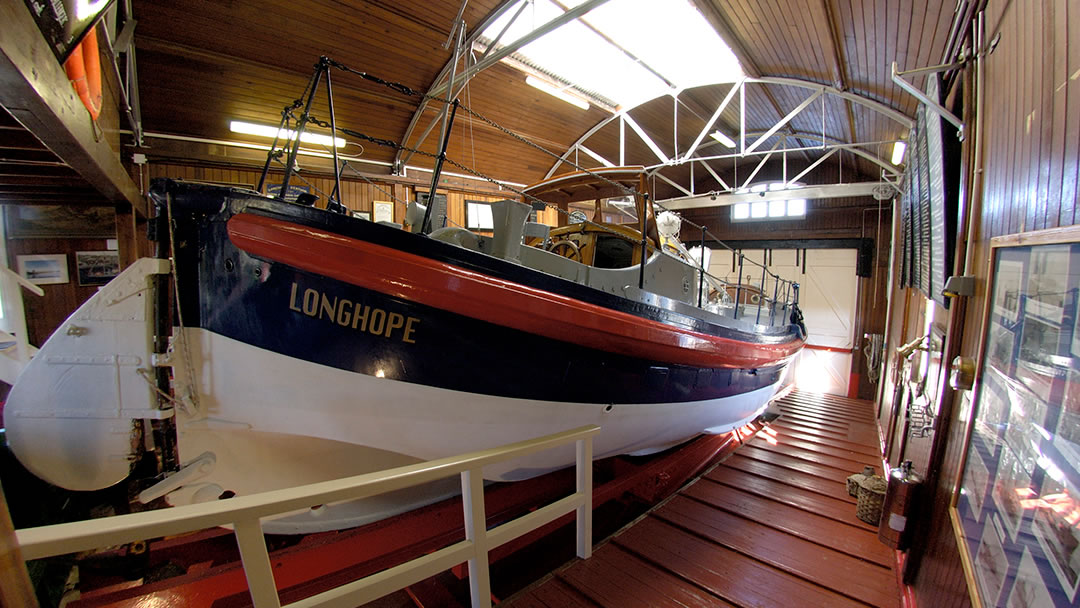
column 36, row 91
column 127, row 238
column 15, row 588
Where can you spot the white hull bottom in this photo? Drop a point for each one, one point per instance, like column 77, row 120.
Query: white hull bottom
column 275, row 421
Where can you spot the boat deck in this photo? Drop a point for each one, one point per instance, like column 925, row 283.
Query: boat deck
column 772, row 525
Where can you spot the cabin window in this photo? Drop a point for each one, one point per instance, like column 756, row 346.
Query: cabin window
column 478, row 216
column 613, row 252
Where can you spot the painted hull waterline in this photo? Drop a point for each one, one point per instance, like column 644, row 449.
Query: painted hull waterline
column 299, row 323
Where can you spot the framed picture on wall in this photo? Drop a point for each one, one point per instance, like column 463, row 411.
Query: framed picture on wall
column 97, row 267
column 48, row 269
column 1016, row 504
column 59, row 221
column 384, row 211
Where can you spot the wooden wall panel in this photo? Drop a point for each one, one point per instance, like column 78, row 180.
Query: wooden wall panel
column 357, row 194
column 44, row 314
column 1029, row 182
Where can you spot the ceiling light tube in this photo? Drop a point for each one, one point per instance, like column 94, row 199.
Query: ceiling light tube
column 554, row 91
column 247, row 128
column 898, row 152
column 723, row 139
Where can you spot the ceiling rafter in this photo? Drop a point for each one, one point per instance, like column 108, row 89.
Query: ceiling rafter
column 839, row 64
column 750, row 67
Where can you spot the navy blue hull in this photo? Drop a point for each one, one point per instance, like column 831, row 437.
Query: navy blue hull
column 301, row 314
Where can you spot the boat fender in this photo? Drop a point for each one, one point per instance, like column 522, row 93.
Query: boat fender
column 797, row 319
column 83, row 68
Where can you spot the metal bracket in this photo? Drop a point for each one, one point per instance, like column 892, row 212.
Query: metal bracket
column 959, row 286
column 937, row 108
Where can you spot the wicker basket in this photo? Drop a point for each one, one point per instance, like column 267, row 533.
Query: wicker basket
column 853, row 481
column 870, row 499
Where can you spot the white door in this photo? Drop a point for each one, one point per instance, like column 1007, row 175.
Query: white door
column 827, row 297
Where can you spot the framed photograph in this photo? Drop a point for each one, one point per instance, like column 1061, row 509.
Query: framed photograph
column 1007, row 288
column 97, row 267
column 1058, row 536
column 362, row 215
column 1029, row 590
column 1012, row 486
column 992, row 564
column 50, row 269
column 59, row 221
column 977, row 483
column 1000, row 348
column 1019, row 473
column 383, row 211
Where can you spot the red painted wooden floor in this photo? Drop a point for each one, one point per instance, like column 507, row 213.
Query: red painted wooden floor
column 772, row 525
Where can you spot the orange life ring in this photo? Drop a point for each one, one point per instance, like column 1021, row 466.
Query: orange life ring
column 83, row 68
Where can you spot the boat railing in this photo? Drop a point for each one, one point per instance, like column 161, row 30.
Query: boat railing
column 321, row 75
column 244, row 514
column 14, row 357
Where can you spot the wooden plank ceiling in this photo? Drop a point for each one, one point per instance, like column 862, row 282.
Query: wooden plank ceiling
column 30, row 174
column 203, row 63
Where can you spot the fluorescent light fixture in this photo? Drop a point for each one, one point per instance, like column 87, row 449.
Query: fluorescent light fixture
column 777, row 208
column 740, row 211
column 247, row 128
column 555, row 91
column 759, row 209
column 723, row 139
column 898, row 152
column 796, row 207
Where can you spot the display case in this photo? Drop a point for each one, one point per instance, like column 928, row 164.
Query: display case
column 1015, row 509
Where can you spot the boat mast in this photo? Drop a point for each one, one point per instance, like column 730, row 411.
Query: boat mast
column 448, row 123
column 320, row 67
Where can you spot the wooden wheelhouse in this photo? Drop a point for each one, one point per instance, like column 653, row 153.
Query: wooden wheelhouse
column 600, row 240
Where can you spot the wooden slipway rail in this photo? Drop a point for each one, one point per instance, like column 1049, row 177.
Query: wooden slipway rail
column 772, row 525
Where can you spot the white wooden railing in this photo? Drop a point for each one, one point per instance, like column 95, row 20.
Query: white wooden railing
column 13, row 360
column 244, row 513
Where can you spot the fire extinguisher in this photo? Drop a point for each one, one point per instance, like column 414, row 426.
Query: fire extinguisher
column 904, row 485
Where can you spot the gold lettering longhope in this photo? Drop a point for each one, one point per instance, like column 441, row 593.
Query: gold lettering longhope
column 347, row 313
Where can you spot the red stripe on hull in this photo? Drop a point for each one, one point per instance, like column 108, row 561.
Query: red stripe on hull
column 447, row 287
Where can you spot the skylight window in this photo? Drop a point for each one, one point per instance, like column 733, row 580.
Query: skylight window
column 673, row 44
column 774, row 209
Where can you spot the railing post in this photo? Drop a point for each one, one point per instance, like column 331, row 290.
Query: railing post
column 260, row 576
column 472, row 495
column 701, row 262
column 584, row 486
column 775, row 292
column 738, row 287
column 761, row 294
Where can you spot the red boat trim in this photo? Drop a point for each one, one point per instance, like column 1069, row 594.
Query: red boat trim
column 472, row 294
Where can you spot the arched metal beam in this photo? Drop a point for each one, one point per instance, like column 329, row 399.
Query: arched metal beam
column 866, row 102
column 870, row 104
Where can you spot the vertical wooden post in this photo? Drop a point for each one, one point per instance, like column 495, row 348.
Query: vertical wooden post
column 584, row 486
column 260, row 576
column 15, row 588
column 472, row 494
column 127, row 238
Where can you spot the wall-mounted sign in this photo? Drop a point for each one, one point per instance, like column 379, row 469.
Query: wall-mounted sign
column 63, row 23
column 274, row 190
